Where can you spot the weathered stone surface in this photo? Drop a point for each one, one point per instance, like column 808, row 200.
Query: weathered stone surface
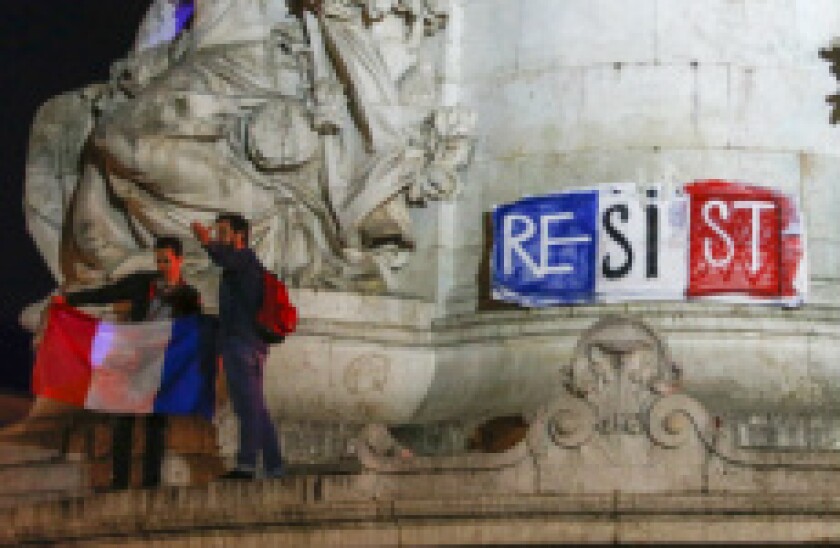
column 12, row 453
column 44, row 477
column 190, row 435
column 587, row 33
column 476, row 366
column 822, row 200
column 748, row 33
column 774, row 108
column 618, row 517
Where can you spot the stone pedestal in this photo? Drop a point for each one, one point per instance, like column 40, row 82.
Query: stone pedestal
column 391, row 360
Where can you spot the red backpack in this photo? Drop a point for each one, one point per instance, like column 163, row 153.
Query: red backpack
column 277, row 316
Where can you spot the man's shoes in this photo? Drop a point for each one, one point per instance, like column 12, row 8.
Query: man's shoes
column 275, row 474
column 237, row 475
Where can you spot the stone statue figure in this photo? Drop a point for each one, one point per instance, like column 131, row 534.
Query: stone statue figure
column 321, row 124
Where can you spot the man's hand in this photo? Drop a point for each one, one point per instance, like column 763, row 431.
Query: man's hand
column 201, row 232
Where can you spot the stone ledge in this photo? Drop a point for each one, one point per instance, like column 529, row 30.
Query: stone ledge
column 514, row 323
column 503, row 531
column 18, row 454
column 287, row 509
column 41, row 477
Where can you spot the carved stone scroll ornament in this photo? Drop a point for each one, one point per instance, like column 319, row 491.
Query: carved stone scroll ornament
column 622, row 380
column 621, row 366
column 672, row 420
column 568, row 422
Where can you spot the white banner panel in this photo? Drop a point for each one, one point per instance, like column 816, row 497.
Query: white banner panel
column 641, row 243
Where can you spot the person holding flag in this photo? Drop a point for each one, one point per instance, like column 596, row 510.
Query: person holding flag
column 161, row 294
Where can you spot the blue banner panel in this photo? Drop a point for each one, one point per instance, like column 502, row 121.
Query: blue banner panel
column 544, row 249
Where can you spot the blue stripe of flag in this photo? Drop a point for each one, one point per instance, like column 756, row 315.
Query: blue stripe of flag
column 187, row 381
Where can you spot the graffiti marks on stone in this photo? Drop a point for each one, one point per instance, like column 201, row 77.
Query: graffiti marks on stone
column 367, row 374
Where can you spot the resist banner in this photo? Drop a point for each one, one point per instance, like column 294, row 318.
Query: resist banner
column 620, row 242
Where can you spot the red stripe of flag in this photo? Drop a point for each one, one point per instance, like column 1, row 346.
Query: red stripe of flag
column 62, row 365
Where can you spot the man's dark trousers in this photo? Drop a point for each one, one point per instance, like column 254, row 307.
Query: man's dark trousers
column 155, row 426
column 243, row 362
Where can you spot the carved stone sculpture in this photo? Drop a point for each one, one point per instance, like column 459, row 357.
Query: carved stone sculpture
column 620, row 366
column 322, row 127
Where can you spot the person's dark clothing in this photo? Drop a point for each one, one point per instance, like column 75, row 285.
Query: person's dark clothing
column 122, row 447
column 240, row 291
column 243, row 355
column 142, row 289
column 243, row 363
column 137, row 288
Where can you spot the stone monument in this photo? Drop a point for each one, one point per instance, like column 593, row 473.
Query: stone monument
column 330, row 125
column 321, row 129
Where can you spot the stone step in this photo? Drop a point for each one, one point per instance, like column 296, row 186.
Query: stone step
column 180, row 470
column 14, row 407
column 287, row 512
column 43, row 432
column 60, row 476
column 17, row 500
column 184, row 435
column 18, row 453
column 127, row 512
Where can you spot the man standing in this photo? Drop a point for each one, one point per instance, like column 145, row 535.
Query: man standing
column 154, row 295
column 243, row 351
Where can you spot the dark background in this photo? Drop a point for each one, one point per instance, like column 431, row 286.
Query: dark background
column 46, row 47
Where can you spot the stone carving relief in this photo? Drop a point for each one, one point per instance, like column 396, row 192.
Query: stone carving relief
column 620, row 423
column 322, row 124
column 619, row 367
column 622, row 380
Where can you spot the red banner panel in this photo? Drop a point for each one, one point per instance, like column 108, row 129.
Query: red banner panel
column 736, row 241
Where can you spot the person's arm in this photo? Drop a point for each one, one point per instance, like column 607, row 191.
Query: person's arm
column 222, row 255
column 122, row 290
column 227, row 257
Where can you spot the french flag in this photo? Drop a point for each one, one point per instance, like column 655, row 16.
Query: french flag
column 138, row 368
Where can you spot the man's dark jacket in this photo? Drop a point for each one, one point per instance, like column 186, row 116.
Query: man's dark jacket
column 137, row 288
column 240, row 291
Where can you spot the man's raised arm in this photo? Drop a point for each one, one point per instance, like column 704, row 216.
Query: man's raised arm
column 225, row 256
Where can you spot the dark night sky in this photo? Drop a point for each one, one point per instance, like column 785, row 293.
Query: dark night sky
column 46, row 47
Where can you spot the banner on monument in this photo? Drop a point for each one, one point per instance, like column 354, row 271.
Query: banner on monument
column 621, row 242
